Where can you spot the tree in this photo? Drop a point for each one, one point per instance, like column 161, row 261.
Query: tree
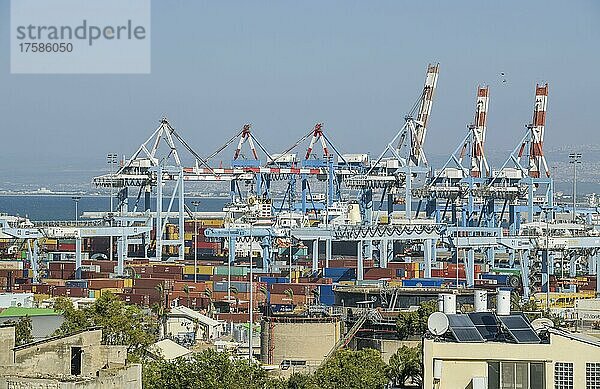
column 289, row 294
column 300, row 381
column 316, row 295
column 415, row 322
column 208, row 369
column 186, row 290
column 264, row 292
column 22, row 330
column 161, row 310
column 121, row 324
column 209, row 295
column 404, row 364
column 363, row 369
column 233, row 290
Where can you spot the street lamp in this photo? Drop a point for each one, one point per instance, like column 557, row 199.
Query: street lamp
column 547, row 254
column 251, row 302
column 111, row 160
column 574, row 159
column 76, row 200
column 195, row 203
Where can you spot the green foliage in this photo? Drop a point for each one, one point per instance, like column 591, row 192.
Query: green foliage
column 122, row 324
column 404, row 364
column 22, row 330
column 206, row 370
column 415, row 323
column 363, row 369
column 300, row 381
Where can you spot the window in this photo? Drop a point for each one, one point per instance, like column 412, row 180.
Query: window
column 563, row 375
column 516, row 375
column 592, row 375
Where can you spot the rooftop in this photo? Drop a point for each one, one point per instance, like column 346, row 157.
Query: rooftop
column 20, row 311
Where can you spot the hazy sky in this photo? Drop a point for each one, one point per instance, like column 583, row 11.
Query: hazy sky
column 356, row 66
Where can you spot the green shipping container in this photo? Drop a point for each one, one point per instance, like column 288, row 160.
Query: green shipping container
column 235, row 270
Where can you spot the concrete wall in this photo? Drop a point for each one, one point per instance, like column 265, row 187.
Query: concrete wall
column 307, row 340
column 7, row 342
column 53, row 357
column 463, row 361
column 47, row 364
column 130, row 378
column 387, row 347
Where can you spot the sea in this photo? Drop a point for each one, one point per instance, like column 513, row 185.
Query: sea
column 59, row 207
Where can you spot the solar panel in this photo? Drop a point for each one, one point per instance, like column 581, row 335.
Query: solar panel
column 514, row 321
column 520, row 330
column 525, row 336
column 459, row 320
column 486, row 323
column 463, row 329
column 467, row 335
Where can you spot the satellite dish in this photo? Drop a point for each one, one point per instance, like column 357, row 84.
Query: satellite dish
column 438, row 323
column 542, row 323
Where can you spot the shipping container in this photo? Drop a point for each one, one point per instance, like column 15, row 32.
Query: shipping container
column 423, row 282
column 189, row 269
column 235, row 270
column 340, row 273
column 76, row 284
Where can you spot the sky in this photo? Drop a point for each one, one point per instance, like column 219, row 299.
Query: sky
column 356, row 66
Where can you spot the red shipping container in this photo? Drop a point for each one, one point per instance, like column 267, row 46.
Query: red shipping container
column 277, row 298
column 296, row 288
column 66, row 246
column 136, row 299
column 147, row 282
column 167, row 276
column 69, row 292
column 101, row 283
column 160, row 269
column 241, row 317
column 61, row 265
column 379, row 273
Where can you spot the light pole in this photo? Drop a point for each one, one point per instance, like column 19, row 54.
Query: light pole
column 195, row 203
column 250, row 305
column 111, row 160
column 76, row 200
column 291, row 238
column 574, row 159
column 548, row 264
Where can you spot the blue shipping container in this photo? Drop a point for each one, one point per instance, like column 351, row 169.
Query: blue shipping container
column 326, row 296
column 423, row 282
column 340, row 273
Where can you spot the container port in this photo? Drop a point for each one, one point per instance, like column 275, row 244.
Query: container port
column 315, row 261
column 316, row 264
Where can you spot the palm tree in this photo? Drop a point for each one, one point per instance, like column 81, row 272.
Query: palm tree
column 235, row 292
column 316, row 294
column 289, row 294
column 263, row 291
column 161, row 310
column 186, row 290
column 208, row 294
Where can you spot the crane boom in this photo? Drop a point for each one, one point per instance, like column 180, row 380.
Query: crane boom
column 537, row 160
column 420, row 129
column 479, row 164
